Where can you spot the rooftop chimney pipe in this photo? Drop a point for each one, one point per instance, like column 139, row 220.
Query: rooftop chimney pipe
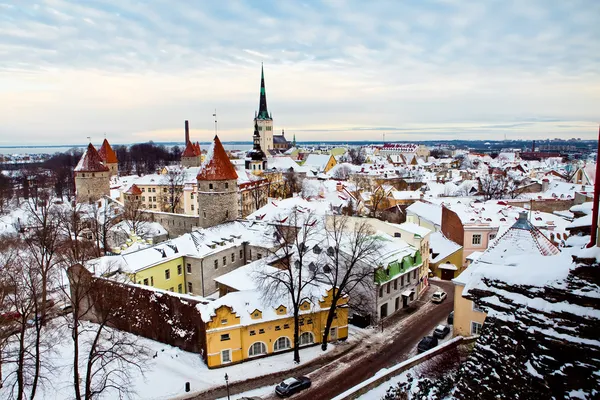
column 187, row 132
column 533, row 147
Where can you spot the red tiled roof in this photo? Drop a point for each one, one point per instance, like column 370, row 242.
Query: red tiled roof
column 91, row 161
column 216, row 166
column 107, row 154
column 191, row 150
column 134, row 189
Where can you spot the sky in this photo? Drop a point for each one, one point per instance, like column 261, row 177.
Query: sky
column 133, row 71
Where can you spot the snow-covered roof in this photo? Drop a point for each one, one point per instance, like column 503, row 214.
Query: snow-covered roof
column 581, row 222
column 413, row 228
column 427, row 211
column 406, row 194
column 442, row 246
column 318, row 161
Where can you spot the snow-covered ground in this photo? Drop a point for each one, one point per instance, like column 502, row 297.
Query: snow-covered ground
column 166, row 373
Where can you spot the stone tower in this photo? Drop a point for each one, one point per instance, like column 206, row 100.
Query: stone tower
column 256, row 160
column 109, row 158
column 217, row 188
column 263, row 119
column 92, row 177
column 191, row 156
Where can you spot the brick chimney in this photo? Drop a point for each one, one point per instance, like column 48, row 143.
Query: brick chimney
column 187, row 132
column 339, row 186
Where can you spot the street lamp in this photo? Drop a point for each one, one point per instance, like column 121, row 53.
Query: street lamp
column 227, row 385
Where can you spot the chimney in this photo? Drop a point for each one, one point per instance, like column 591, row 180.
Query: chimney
column 533, row 147
column 187, row 132
column 545, row 184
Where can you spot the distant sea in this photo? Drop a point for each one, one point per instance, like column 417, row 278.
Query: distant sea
column 62, row 149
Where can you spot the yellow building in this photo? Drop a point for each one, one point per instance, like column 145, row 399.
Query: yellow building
column 468, row 319
column 168, row 275
column 446, row 257
column 240, row 326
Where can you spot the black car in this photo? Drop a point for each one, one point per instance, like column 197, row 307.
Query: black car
column 441, row 331
column 427, row 343
column 292, row 386
column 450, row 319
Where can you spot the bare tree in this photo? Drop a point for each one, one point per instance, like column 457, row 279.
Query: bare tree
column 42, row 241
column 173, row 181
column 351, row 251
column 6, row 191
column 292, row 183
column 74, row 227
column 357, row 156
column 292, row 279
column 342, row 172
column 491, row 187
column 259, row 193
column 379, row 201
column 100, row 221
column 135, row 214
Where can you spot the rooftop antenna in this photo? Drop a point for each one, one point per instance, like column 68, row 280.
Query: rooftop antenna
column 215, row 115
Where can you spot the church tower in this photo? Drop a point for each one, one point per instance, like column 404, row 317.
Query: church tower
column 263, row 119
column 256, row 160
column 92, row 177
column 217, row 188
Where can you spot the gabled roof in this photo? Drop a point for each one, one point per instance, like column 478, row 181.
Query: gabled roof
column 216, row 165
column 191, row 150
column 107, row 154
column 90, row 161
column 134, row 189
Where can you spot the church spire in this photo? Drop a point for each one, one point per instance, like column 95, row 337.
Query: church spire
column 262, row 108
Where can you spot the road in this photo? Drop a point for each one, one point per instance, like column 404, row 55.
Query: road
column 352, row 369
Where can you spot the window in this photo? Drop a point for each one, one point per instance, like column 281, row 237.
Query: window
column 259, row 256
column 216, row 264
column 306, row 338
column 381, row 291
column 257, row 349
column 190, row 287
column 146, row 281
column 395, row 284
column 309, row 322
column 282, row 343
column 188, row 268
column 143, row 198
column 402, row 281
column 477, row 239
column 164, row 190
column 477, row 308
column 192, row 207
column 210, row 186
column 241, row 254
column 154, row 191
column 167, row 274
column 226, row 185
column 387, row 289
column 226, row 213
column 180, row 288
column 224, row 260
column 143, row 189
column 204, row 212
column 232, row 257
column 261, row 331
column 492, row 236
column 475, row 328
column 225, row 356
column 151, row 281
column 286, row 326
column 252, row 333
column 277, row 328
column 179, row 270
column 171, row 289
column 224, row 337
column 250, row 254
column 415, row 274
column 224, row 321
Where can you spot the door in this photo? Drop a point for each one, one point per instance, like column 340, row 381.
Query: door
column 447, row 274
column 404, row 301
column 397, row 304
column 384, row 311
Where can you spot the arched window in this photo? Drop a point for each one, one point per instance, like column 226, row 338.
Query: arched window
column 307, row 338
column 283, row 343
column 257, row 349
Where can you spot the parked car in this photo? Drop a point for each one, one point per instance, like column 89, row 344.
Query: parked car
column 441, row 331
column 10, row 316
column 427, row 343
column 439, row 296
column 292, row 386
column 450, row 318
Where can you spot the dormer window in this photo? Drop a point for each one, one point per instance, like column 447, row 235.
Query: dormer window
column 312, row 267
column 297, row 264
column 317, row 249
column 330, row 251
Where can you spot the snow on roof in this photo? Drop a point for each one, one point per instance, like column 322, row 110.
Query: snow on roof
column 448, row 266
column 243, row 278
column 318, row 161
column 585, row 208
column 442, row 246
column 581, row 222
column 199, row 243
column 90, row 161
column 427, row 211
column 216, row 165
column 413, row 228
column 474, row 255
column 283, row 164
column 406, row 194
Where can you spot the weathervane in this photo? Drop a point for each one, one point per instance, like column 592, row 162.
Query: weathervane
column 89, row 139
column 215, row 115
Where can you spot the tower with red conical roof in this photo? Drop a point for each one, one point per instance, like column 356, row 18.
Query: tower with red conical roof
column 92, row 177
column 191, row 156
column 217, row 188
column 109, row 157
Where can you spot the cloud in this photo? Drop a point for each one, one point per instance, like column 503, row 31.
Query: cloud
column 71, row 69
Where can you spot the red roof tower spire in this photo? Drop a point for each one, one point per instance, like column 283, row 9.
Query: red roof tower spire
column 107, row 154
column 216, row 166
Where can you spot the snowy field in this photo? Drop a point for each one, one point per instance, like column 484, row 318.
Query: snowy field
column 166, row 374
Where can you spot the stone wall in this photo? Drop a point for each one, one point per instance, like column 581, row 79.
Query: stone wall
column 91, row 186
column 157, row 315
column 217, row 202
column 452, row 226
column 175, row 224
